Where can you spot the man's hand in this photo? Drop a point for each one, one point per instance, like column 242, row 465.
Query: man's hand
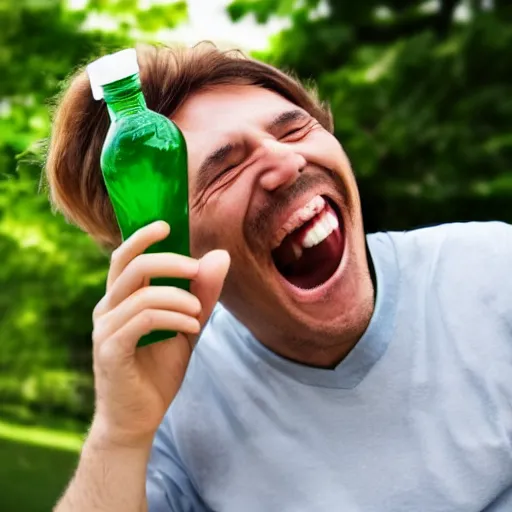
column 135, row 386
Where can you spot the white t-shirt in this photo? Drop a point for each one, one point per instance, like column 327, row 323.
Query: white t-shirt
column 418, row 417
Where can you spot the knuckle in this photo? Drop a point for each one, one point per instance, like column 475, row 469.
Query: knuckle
column 107, row 355
column 147, row 320
column 116, row 254
column 141, row 298
column 96, row 313
column 96, row 335
column 137, row 265
column 107, row 304
column 98, row 310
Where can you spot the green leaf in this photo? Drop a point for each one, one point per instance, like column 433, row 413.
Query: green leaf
column 162, row 16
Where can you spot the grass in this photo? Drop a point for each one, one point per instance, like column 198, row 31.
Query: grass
column 36, row 464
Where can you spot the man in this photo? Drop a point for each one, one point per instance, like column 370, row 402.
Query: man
column 337, row 372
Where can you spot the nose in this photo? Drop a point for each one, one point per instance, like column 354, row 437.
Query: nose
column 282, row 166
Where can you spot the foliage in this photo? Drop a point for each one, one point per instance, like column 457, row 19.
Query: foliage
column 421, row 94
column 51, row 274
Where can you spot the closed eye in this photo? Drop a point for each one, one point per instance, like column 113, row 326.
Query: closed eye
column 228, row 168
column 295, row 130
column 299, row 132
column 223, row 172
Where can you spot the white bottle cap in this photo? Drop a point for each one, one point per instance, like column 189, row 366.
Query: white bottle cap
column 111, row 68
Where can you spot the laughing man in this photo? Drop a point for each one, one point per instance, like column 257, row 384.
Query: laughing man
column 335, row 371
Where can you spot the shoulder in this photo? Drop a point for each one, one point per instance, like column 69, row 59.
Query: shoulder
column 495, row 233
column 469, row 241
column 460, row 232
column 472, row 258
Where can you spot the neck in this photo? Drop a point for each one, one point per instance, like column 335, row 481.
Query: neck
column 127, row 106
column 326, row 347
column 124, row 97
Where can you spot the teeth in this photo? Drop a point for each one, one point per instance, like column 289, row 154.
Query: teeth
column 299, row 217
column 332, row 220
column 297, row 251
column 314, row 236
column 320, row 230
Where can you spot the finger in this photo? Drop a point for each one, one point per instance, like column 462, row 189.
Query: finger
column 133, row 246
column 122, row 344
column 148, row 266
column 166, row 298
column 207, row 286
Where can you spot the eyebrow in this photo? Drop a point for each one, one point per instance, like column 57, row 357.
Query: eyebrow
column 217, row 157
column 285, row 118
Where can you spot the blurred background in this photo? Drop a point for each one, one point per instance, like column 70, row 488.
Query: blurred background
column 421, row 93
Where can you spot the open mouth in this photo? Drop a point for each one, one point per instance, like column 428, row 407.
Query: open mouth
column 310, row 254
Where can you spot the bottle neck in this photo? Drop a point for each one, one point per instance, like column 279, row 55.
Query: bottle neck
column 124, row 97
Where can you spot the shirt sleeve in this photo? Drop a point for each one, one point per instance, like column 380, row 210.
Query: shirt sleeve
column 168, row 487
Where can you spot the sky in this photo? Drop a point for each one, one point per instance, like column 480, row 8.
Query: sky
column 207, row 20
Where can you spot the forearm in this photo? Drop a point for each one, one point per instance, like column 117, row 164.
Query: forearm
column 109, row 478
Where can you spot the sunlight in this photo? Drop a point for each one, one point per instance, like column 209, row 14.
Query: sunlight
column 39, row 436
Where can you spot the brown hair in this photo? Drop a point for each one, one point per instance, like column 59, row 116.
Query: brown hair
column 168, row 76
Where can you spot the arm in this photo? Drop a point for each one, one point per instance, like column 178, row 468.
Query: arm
column 135, row 386
column 108, row 477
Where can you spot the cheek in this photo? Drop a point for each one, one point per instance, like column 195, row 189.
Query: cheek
column 201, row 237
column 339, row 163
column 323, row 149
column 218, row 226
column 338, row 159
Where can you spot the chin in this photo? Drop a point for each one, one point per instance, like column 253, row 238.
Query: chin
column 314, row 270
column 333, row 306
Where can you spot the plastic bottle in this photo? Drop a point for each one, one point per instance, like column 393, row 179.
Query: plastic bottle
column 143, row 162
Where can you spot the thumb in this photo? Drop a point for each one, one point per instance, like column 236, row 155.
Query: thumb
column 207, row 286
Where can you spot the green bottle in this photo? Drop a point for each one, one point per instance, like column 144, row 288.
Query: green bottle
column 143, row 161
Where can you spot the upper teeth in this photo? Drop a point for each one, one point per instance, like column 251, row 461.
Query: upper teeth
column 298, row 218
column 320, row 230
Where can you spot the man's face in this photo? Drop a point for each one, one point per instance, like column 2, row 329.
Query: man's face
column 275, row 189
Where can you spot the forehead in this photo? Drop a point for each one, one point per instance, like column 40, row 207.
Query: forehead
column 228, row 107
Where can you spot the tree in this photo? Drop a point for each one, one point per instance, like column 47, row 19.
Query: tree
column 421, row 96
column 51, row 274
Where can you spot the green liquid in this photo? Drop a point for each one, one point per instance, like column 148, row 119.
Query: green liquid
column 144, row 165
